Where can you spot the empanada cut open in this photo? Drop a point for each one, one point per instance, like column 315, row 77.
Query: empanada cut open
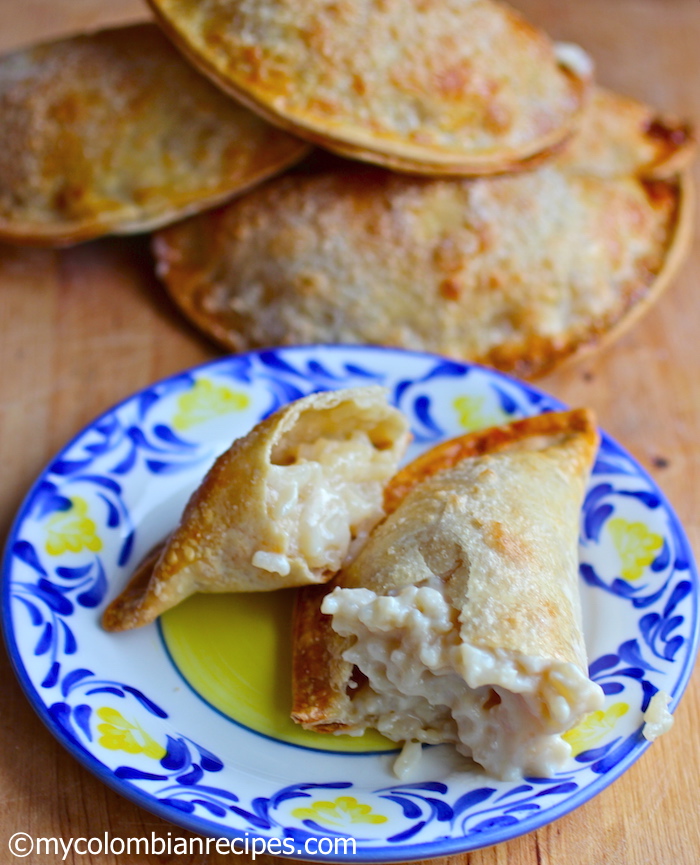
column 286, row 505
column 460, row 619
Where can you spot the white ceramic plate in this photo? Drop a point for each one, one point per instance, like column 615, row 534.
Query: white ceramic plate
column 140, row 713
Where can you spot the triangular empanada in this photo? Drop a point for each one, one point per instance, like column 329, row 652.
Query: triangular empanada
column 284, row 506
column 460, row 620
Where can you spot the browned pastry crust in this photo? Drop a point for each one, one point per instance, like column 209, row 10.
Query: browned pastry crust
column 518, row 272
column 319, row 677
column 535, row 614
column 114, row 133
column 488, row 441
column 447, row 87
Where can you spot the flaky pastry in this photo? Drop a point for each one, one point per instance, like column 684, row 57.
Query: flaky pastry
column 285, row 505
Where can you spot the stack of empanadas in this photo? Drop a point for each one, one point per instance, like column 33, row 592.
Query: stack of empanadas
column 459, row 621
column 586, row 228
column 533, row 215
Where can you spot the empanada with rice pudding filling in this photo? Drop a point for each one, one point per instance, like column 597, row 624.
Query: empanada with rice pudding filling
column 285, row 505
column 460, row 619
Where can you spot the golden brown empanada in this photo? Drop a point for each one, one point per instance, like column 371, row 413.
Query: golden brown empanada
column 114, row 133
column 517, row 272
column 459, row 620
column 435, row 88
column 284, row 506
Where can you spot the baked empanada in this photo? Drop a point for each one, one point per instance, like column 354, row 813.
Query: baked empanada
column 114, row 133
column 436, row 88
column 518, row 272
column 460, row 620
column 284, row 506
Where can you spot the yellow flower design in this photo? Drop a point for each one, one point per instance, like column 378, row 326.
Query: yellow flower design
column 340, row 812
column 473, row 415
column 72, row 530
column 118, row 734
column 594, row 728
column 636, row 546
column 205, row 401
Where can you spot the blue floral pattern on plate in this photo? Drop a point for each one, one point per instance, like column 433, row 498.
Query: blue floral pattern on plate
column 116, row 702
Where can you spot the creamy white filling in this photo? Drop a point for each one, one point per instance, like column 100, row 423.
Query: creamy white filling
column 275, row 563
column 326, row 501
column 503, row 709
column 408, row 759
column 657, row 719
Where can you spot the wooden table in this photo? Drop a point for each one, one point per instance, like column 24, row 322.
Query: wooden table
column 83, row 328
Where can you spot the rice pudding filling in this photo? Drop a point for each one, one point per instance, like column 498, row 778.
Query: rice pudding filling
column 325, row 500
column 423, row 682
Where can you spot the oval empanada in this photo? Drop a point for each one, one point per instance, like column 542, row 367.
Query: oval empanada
column 435, row 88
column 114, row 133
column 517, row 272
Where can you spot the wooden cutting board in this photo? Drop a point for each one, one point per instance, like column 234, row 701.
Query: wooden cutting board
column 83, row 328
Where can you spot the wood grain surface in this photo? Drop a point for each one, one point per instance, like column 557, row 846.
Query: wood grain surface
column 86, row 327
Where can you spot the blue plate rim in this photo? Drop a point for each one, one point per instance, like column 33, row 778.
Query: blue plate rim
column 372, row 855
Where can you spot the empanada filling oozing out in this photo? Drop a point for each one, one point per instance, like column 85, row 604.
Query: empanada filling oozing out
column 325, row 492
column 460, row 619
column 421, row 682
